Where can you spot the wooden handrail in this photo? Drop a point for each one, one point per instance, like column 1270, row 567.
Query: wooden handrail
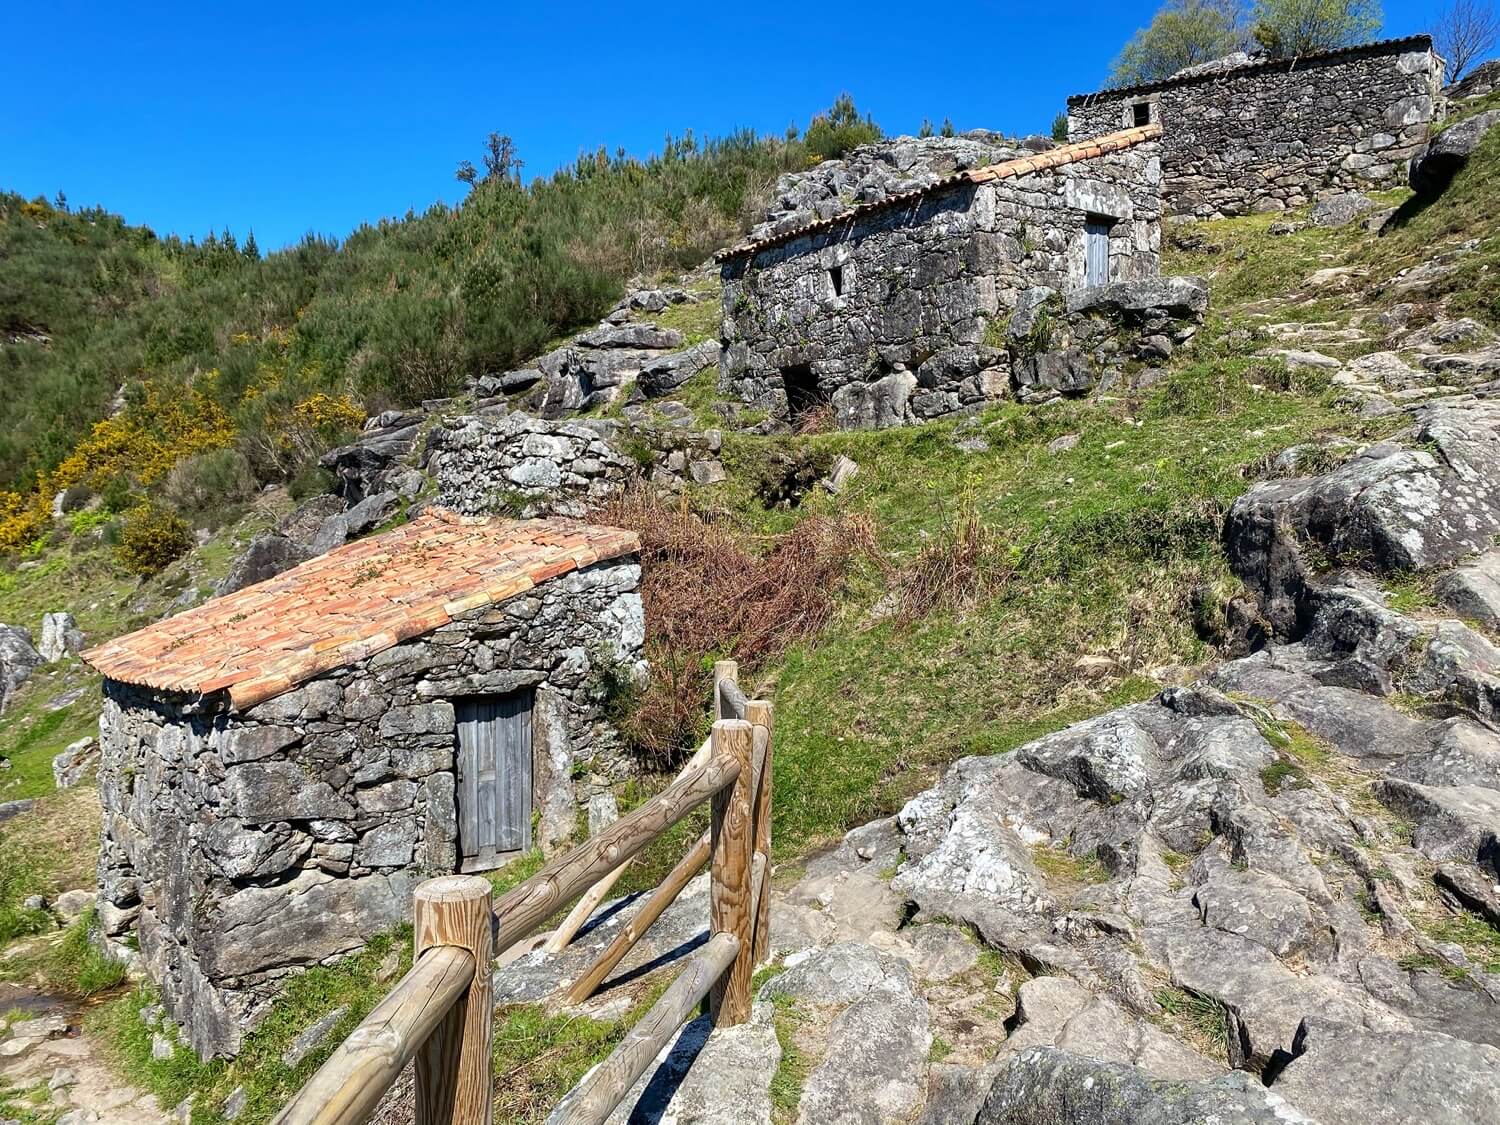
column 440, row 1013
column 347, row 1087
column 759, row 713
column 635, row 929
column 526, row 907
column 733, row 699
column 595, row 894
column 601, row 1090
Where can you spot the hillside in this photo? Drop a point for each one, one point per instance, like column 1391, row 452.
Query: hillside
column 979, row 583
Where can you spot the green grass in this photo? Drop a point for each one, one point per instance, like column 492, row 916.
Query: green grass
column 794, row 1066
column 1477, row 938
column 268, row 1083
column 1282, row 774
column 697, row 321
column 1202, row 1018
column 540, row 1057
column 1409, row 593
column 1060, row 864
column 21, row 875
column 69, row 964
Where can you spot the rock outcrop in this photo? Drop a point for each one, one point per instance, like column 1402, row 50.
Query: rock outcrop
column 1445, row 154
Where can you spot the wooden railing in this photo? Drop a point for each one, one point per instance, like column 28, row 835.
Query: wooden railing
column 440, row 1014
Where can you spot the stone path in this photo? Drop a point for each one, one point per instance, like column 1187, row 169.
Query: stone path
column 62, row 1073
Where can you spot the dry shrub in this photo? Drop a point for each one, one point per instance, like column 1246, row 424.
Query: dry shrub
column 709, row 594
column 818, row 419
column 955, row 571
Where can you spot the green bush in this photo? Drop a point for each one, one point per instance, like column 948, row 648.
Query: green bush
column 311, row 480
column 202, row 483
column 840, row 129
column 151, row 537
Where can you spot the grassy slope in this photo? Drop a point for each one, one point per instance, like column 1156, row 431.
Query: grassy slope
column 1100, row 545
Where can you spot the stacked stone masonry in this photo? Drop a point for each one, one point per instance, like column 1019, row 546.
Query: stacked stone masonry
column 530, row 466
column 244, row 846
column 1268, row 135
column 898, row 313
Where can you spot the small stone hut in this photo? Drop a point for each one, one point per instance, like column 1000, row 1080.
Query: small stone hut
column 1246, row 134
column 280, row 766
column 895, row 310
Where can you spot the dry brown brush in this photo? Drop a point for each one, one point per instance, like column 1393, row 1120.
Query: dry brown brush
column 955, row 571
column 711, row 593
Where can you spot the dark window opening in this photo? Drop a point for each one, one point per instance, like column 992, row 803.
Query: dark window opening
column 1142, row 113
column 803, row 395
column 836, row 275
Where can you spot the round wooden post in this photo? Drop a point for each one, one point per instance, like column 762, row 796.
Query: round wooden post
column 724, row 670
column 454, row 1085
column 758, row 713
column 729, row 897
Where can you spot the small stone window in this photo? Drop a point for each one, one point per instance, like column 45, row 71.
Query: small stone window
column 1141, row 113
column 836, row 280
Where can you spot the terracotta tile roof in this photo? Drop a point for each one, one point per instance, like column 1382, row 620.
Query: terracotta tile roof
column 352, row 603
column 1006, row 169
column 1379, row 47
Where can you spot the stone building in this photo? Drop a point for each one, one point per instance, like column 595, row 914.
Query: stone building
column 895, row 310
column 281, row 765
column 1247, row 134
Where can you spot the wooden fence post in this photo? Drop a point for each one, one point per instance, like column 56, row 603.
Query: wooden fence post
column 758, row 713
column 730, row 891
column 724, row 670
column 454, row 1085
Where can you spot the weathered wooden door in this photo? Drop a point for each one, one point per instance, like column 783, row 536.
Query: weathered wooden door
column 1096, row 251
column 494, row 778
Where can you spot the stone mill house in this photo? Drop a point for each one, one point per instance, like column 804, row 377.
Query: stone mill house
column 281, row 765
column 1244, row 134
column 896, row 310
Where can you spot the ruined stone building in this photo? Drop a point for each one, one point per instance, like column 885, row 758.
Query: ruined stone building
column 895, row 310
column 1250, row 134
column 281, row 766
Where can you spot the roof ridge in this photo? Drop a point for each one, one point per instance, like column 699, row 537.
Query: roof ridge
column 1061, row 155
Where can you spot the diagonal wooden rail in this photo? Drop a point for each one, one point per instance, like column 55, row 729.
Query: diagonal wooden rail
column 441, row 1013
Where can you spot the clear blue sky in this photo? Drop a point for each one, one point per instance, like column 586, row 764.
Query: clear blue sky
column 264, row 117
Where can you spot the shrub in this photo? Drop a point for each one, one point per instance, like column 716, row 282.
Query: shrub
column 708, row 595
column 151, row 537
column 23, row 519
column 204, row 481
column 840, row 129
column 310, row 480
column 954, row 571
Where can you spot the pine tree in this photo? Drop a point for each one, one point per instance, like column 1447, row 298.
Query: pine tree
column 250, row 249
column 948, row 130
column 61, row 202
column 926, row 130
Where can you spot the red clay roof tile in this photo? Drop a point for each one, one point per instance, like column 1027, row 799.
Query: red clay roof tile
column 351, row 603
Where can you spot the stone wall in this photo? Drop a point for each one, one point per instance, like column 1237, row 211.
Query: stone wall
column 1104, row 338
column 528, row 466
column 1270, row 135
column 245, row 847
column 899, row 314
